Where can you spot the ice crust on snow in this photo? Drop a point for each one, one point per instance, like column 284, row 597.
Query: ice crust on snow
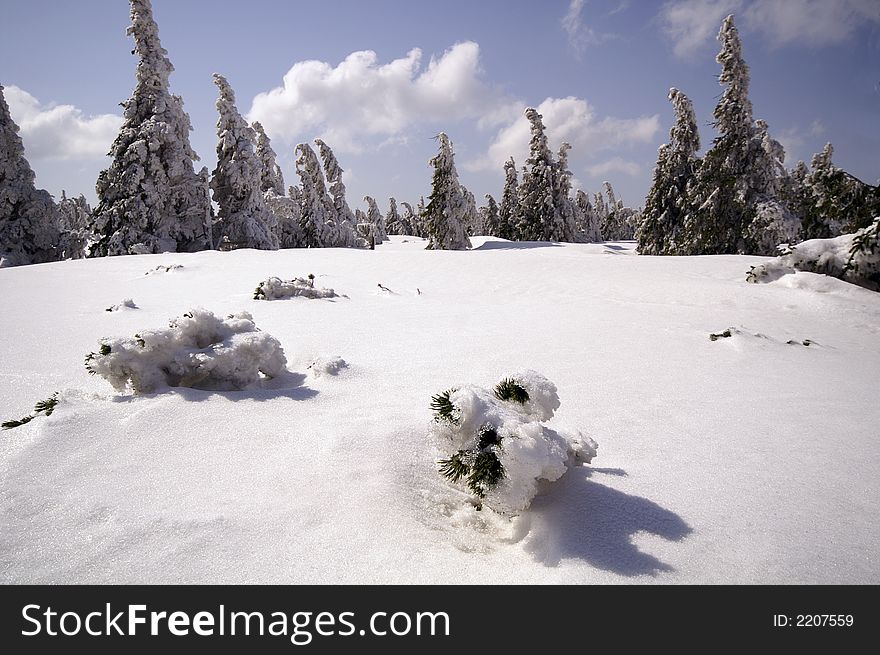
column 197, row 350
column 529, row 450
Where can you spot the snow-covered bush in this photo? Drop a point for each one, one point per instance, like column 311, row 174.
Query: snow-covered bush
column 851, row 257
column 495, row 444
column 198, row 350
column 322, row 366
column 128, row 303
column 275, row 288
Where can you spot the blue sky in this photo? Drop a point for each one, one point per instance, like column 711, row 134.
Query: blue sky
column 378, row 79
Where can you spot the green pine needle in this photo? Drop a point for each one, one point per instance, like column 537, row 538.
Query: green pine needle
column 454, row 468
column 486, row 471
column 47, row 406
column 510, row 389
column 443, row 408
column 8, row 425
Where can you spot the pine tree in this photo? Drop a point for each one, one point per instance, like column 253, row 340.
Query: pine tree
column 419, row 223
column 491, row 217
column 507, row 212
column 317, row 213
column 446, row 213
column 586, row 221
column 408, row 219
column 565, row 223
column 288, row 213
column 618, row 221
column 376, row 221
column 28, row 217
column 472, row 223
column 344, row 219
column 150, row 199
column 75, row 227
column 392, row 219
column 719, row 195
column 271, row 177
column 839, row 202
column 243, row 217
column 667, row 205
column 536, row 218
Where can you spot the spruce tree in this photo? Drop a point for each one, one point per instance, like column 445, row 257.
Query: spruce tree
column 419, row 222
column 243, row 217
column 586, row 221
column 317, row 213
column 271, row 177
column 445, row 215
column 667, row 205
column 507, row 212
column 75, row 227
column 408, row 219
column 839, row 202
column 719, row 196
column 376, row 220
column 564, row 221
column 536, row 218
column 491, row 218
column 288, row 213
column 392, row 219
column 473, row 225
column 150, row 199
column 344, row 219
column 28, row 217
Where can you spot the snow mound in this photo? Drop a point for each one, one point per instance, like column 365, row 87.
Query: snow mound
column 164, row 269
column 198, row 350
column 128, row 303
column 853, row 258
column 327, row 366
column 275, row 288
column 495, row 444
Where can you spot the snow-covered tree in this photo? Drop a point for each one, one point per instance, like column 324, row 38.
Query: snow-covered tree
column 344, row 219
column 271, row 177
column 408, row 219
column 376, row 221
column 719, row 195
column 667, row 204
column 243, row 217
column 28, row 217
column 151, row 199
column 288, row 213
column 838, row 202
column 770, row 221
column 75, row 227
column 507, row 211
column 473, row 225
column 445, row 216
column 536, row 218
column 419, row 223
column 392, row 219
column 586, row 220
column 617, row 222
column 317, row 218
column 564, row 221
column 491, row 217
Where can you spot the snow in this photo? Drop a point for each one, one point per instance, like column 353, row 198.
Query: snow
column 740, row 460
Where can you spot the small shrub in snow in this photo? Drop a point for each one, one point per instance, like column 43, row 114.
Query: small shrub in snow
column 275, row 288
column 45, row 407
column 128, row 303
column 198, row 350
column 495, row 444
column 853, row 258
column 164, row 269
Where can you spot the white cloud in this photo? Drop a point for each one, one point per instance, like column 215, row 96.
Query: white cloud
column 580, row 35
column 811, row 22
column 567, row 119
column 60, row 131
column 690, row 24
column 614, row 165
column 361, row 98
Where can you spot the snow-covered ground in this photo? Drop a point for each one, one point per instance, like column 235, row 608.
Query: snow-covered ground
column 746, row 459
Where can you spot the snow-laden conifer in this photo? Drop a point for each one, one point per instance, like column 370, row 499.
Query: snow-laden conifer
column 535, row 219
column 392, row 219
column 346, row 234
column 150, row 199
column 243, row 217
column 271, row 177
column 491, row 217
column 586, row 220
column 667, row 205
column 376, row 221
column 75, row 227
column 288, row 214
column 446, row 214
column 28, row 217
column 507, row 210
column 317, row 213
